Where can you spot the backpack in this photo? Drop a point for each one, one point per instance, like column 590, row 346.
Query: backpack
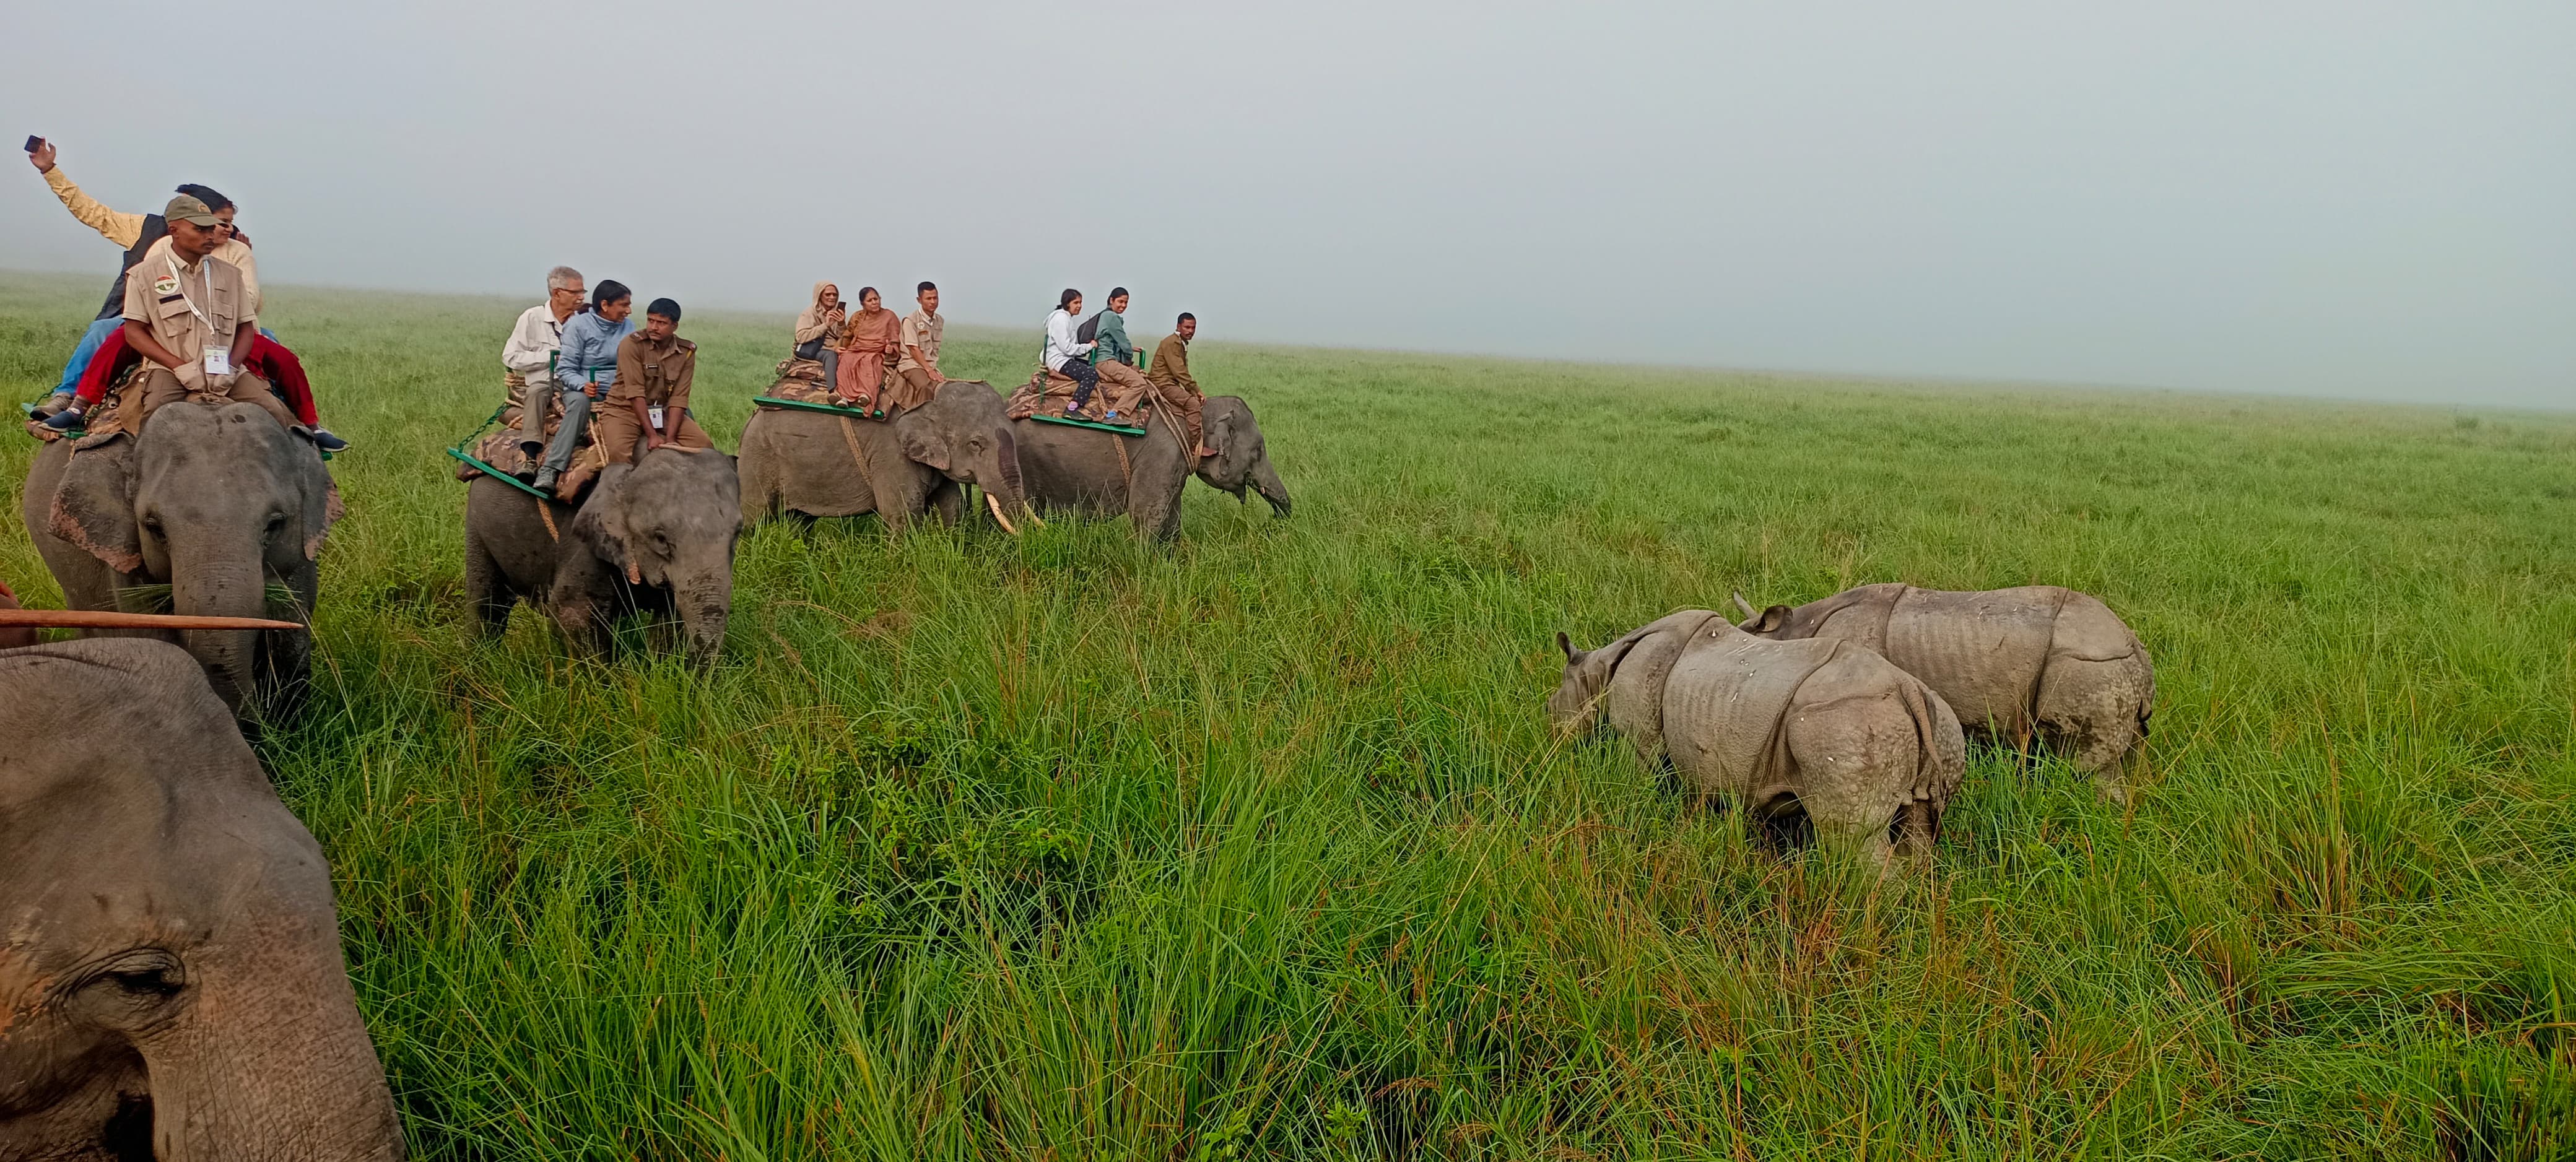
column 1089, row 331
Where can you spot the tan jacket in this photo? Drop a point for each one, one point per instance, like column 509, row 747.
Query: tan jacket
column 1172, row 363
column 127, row 229
column 187, row 307
column 658, row 373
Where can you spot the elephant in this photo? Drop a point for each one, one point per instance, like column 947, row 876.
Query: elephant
column 1083, row 469
column 822, row 465
column 2038, row 662
column 1868, row 753
column 171, row 980
column 218, row 503
column 656, row 536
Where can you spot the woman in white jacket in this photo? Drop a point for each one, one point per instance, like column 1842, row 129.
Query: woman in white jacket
column 1067, row 357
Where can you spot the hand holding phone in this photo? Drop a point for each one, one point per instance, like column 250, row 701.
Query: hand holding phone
column 40, row 154
column 34, row 143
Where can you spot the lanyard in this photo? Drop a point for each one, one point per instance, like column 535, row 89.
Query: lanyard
column 208, row 277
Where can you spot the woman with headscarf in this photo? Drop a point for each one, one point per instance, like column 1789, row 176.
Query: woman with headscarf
column 869, row 339
column 818, row 329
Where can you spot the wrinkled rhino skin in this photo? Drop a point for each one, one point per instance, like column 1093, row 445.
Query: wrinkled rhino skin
column 2036, row 663
column 1869, row 753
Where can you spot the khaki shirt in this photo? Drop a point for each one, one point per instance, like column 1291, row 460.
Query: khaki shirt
column 658, row 373
column 924, row 330
column 232, row 250
column 1172, row 363
column 162, row 300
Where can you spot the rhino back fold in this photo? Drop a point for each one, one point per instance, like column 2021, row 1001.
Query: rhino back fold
column 1723, row 705
column 1640, row 664
column 1983, row 650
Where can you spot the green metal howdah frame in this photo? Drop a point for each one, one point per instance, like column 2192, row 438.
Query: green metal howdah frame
column 462, row 450
column 854, row 413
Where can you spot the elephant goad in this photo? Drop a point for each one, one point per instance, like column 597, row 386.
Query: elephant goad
column 1824, row 729
column 654, row 537
column 821, row 465
column 1103, row 473
column 2037, row 663
column 219, row 504
column 171, row 983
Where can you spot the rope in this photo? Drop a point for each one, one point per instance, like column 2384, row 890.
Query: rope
column 546, row 513
column 1124, row 472
column 850, row 436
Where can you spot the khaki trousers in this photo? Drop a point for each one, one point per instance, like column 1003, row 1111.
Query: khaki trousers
column 1187, row 402
column 1126, row 386
column 159, row 386
column 911, row 388
column 619, row 430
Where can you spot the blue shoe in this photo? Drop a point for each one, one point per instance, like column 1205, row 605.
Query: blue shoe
column 323, row 439
column 66, row 420
column 1111, row 418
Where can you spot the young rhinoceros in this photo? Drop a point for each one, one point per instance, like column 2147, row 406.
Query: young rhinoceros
column 1867, row 751
column 2039, row 661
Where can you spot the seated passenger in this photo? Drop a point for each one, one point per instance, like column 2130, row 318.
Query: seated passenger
column 819, row 330
column 584, row 370
column 655, row 368
column 870, row 339
column 190, row 317
column 528, row 356
column 1114, row 358
column 1065, row 355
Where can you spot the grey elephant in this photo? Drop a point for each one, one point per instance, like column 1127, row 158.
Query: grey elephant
column 820, row 465
column 218, row 503
column 1866, row 752
column 1104, row 473
column 2033, row 663
column 171, row 982
column 655, row 537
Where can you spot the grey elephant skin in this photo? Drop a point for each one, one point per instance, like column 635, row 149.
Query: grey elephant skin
column 218, row 503
column 171, row 982
column 819, row 465
column 1866, row 751
column 655, row 537
column 1080, row 469
column 2034, row 663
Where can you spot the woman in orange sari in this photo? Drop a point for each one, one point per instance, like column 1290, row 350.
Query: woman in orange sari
column 870, row 338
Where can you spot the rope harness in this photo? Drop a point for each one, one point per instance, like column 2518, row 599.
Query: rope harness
column 850, row 436
column 546, row 513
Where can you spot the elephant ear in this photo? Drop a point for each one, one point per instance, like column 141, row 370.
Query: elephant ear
column 603, row 525
column 94, row 506
column 322, row 507
column 1226, row 468
column 921, row 449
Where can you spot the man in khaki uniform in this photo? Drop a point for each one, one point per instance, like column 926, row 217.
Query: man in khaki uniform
column 1170, row 375
column 190, row 315
column 920, row 337
column 650, row 397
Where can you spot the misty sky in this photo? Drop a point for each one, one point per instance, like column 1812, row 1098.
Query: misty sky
column 2353, row 199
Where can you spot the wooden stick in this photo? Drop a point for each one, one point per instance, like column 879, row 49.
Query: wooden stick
column 98, row 619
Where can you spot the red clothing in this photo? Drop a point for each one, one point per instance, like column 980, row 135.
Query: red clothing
column 267, row 359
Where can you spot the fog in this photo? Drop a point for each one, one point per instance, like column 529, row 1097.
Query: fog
column 2346, row 199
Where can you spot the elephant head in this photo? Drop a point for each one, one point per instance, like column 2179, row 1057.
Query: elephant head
column 964, row 433
column 171, row 982
column 1241, row 459
column 220, row 504
column 671, row 521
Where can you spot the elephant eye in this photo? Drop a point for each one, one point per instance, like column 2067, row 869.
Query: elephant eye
column 152, row 524
column 276, row 521
column 144, row 975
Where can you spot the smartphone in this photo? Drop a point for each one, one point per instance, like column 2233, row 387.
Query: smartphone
column 35, row 143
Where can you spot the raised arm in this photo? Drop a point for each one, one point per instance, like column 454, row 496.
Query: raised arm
column 122, row 229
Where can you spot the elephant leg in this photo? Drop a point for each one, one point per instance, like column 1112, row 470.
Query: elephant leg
column 485, row 588
column 947, row 502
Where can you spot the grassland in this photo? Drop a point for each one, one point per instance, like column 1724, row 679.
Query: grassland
column 1255, row 844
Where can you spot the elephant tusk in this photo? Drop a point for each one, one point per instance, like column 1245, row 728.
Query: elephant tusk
column 99, row 619
column 1746, row 606
column 996, row 505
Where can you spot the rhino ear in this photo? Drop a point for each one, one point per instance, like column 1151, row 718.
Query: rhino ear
column 1573, row 656
column 1770, row 621
column 94, row 506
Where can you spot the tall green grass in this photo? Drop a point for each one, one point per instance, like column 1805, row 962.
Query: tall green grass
column 1254, row 845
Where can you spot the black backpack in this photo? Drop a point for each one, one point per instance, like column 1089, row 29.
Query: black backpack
column 1089, row 332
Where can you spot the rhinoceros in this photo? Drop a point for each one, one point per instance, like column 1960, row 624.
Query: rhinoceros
column 2039, row 662
column 1868, row 752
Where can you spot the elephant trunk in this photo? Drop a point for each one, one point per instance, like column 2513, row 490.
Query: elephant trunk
column 1006, row 495
column 223, row 589
column 1265, row 479
column 705, row 602
column 273, row 1061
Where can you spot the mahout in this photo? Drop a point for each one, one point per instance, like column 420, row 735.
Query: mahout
column 171, row 980
column 2033, row 664
column 1827, row 730
column 653, row 537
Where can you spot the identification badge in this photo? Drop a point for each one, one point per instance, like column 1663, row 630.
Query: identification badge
column 654, row 411
column 219, row 360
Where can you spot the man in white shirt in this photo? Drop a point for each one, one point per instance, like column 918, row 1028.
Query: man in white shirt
column 529, row 355
column 1065, row 356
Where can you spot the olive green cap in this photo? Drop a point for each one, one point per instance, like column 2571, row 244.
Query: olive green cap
column 189, row 209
